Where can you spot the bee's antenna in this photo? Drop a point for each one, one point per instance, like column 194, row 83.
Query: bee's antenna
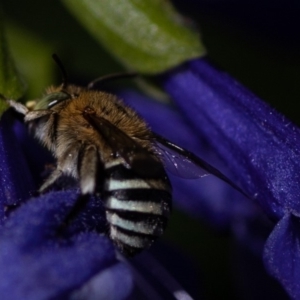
column 62, row 69
column 111, row 77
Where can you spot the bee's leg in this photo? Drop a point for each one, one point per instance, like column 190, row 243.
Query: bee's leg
column 88, row 164
column 36, row 114
column 19, row 107
column 29, row 115
column 50, row 180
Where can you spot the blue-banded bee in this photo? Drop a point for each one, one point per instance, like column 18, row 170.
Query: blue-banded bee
column 111, row 151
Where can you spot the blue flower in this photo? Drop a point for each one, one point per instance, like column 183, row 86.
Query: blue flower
column 258, row 148
column 36, row 262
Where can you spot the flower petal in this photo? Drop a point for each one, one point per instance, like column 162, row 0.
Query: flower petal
column 281, row 253
column 106, row 285
column 38, row 263
column 260, row 146
column 16, row 182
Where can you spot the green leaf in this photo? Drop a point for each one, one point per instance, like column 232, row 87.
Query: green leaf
column 11, row 85
column 145, row 35
column 33, row 58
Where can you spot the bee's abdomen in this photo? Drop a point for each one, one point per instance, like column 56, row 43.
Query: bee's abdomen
column 137, row 209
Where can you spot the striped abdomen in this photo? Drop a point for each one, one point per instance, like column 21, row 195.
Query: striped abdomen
column 137, row 208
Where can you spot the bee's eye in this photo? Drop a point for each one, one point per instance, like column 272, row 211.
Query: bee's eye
column 51, row 99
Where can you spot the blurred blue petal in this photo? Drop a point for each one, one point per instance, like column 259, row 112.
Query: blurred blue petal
column 15, row 178
column 282, row 253
column 260, row 147
column 37, row 263
column 106, row 285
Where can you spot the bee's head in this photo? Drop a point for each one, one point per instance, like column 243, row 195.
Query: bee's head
column 55, row 95
column 66, row 91
column 51, row 99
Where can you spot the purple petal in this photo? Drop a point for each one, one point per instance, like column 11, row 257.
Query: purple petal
column 260, row 146
column 38, row 263
column 39, row 218
column 282, row 253
column 106, row 285
column 16, row 182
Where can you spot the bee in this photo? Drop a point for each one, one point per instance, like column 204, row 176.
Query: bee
column 111, row 151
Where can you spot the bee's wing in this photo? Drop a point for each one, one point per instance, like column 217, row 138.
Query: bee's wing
column 183, row 163
column 135, row 156
column 176, row 162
